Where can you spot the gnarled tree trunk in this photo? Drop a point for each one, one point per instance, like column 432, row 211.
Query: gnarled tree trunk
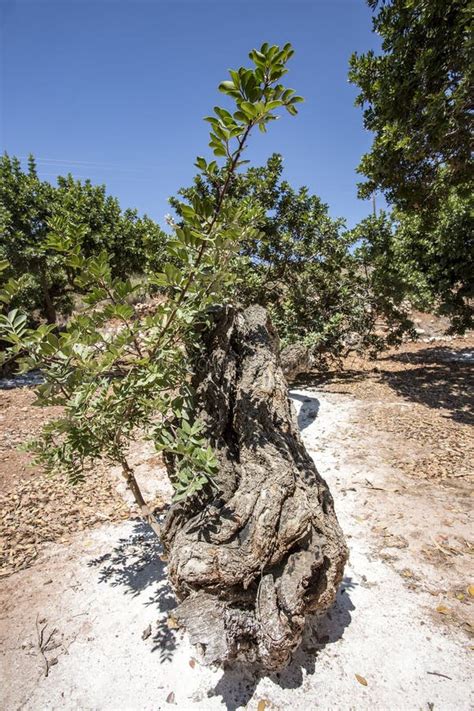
column 250, row 565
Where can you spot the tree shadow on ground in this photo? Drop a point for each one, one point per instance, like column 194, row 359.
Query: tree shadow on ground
column 136, row 564
column 318, row 380
column 440, row 378
column 308, row 411
column 238, row 683
column 444, row 380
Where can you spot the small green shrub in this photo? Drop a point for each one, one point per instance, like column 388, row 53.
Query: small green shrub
column 135, row 378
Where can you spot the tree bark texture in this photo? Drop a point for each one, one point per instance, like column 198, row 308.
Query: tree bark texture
column 250, row 564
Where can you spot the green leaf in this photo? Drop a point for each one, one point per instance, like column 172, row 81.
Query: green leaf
column 226, row 86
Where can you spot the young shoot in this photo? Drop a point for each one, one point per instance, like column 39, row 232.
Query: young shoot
column 120, row 371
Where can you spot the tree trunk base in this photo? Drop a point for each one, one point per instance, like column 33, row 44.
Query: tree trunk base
column 250, row 564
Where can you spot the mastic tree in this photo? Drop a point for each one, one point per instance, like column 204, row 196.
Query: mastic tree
column 412, row 265
column 25, row 205
column 417, row 99
column 41, row 282
column 302, row 266
column 135, row 378
column 127, row 237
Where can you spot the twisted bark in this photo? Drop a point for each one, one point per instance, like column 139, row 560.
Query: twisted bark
column 250, row 565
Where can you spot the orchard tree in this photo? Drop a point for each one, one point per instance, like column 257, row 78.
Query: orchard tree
column 301, row 266
column 301, row 269
column 127, row 238
column 40, row 280
column 390, row 276
column 412, row 264
column 25, row 205
column 417, row 99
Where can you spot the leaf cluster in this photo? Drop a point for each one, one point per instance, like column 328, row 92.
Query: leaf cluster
column 30, row 209
column 303, row 266
column 119, row 371
column 417, row 99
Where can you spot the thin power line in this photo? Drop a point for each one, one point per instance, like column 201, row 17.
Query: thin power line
column 88, row 177
column 66, row 162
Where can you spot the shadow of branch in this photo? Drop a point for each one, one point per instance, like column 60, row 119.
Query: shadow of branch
column 308, row 411
column 135, row 564
column 237, row 685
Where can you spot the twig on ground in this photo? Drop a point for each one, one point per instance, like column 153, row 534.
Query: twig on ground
column 445, row 676
column 43, row 645
column 372, row 487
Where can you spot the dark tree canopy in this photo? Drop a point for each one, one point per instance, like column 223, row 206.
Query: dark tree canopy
column 301, row 265
column 418, row 100
column 29, row 206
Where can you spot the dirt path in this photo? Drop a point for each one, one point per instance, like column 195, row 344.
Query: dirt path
column 396, row 638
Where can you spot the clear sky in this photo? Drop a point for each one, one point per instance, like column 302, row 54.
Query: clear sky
column 115, row 90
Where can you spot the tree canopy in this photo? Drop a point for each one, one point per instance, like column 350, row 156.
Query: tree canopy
column 417, row 99
column 301, row 264
column 40, row 280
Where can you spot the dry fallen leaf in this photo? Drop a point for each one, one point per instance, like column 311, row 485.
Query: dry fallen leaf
column 170, row 698
column 362, row 680
column 262, row 705
column 172, row 623
column 471, row 590
column 192, row 662
column 442, row 609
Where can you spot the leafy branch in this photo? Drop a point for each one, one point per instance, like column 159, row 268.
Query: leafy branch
column 120, row 372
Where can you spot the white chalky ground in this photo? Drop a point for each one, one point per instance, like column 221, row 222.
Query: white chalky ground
column 107, row 598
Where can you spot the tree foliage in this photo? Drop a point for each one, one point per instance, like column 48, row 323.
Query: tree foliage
column 41, row 281
column 301, row 266
column 429, row 268
column 118, row 371
column 417, row 99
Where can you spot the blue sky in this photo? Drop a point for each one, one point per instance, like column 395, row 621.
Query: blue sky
column 115, row 90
